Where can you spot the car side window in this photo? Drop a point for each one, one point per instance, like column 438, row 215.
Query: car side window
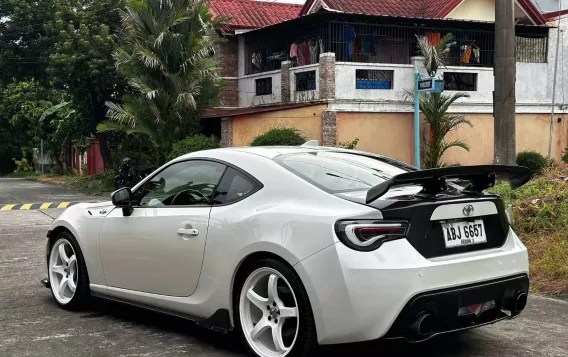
column 233, row 187
column 186, row 183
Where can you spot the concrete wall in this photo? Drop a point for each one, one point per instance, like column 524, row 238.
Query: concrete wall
column 388, row 134
column 346, row 80
column 306, row 119
column 532, row 134
column 247, row 90
column 304, row 96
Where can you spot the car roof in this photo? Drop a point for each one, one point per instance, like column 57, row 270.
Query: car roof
column 271, row 152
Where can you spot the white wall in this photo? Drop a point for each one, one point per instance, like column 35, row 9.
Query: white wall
column 345, row 82
column 304, row 96
column 247, row 90
column 480, row 10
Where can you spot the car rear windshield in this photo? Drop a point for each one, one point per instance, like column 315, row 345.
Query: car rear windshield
column 337, row 172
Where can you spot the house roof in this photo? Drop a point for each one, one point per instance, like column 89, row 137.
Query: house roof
column 433, row 9
column 229, row 112
column 251, row 14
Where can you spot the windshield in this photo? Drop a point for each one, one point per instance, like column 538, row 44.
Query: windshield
column 337, row 172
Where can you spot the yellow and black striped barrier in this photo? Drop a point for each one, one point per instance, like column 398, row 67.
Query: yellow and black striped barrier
column 35, row 206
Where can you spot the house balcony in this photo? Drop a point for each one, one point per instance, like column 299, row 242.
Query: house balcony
column 358, row 59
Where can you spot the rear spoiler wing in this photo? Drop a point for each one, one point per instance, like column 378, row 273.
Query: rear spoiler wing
column 433, row 181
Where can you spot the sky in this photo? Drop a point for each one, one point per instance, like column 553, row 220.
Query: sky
column 551, row 5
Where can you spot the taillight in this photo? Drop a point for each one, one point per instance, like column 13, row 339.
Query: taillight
column 367, row 235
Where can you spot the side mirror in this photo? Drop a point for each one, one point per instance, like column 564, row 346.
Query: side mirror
column 123, row 198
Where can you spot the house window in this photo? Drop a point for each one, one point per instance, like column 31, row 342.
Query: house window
column 264, row 86
column 373, row 79
column 465, row 82
column 531, row 49
column 305, row 81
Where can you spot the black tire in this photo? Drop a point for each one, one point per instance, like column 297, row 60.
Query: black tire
column 82, row 292
column 306, row 341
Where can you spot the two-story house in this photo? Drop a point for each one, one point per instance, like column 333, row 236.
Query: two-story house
column 339, row 70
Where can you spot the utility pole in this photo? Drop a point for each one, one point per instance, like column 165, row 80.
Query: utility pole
column 505, row 75
column 558, row 34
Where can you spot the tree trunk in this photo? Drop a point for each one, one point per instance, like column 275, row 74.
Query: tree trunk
column 99, row 113
column 105, row 151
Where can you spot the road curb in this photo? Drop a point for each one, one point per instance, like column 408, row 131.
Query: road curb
column 35, row 206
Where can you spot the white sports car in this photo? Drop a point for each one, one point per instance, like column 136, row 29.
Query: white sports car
column 294, row 247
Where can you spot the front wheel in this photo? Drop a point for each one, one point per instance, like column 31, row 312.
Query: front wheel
column 274, row 312
column 67, row 272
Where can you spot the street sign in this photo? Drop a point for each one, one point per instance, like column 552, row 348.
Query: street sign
column 431, row 85
column 425, row 85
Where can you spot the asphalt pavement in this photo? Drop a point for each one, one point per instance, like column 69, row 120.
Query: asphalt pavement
column 32, row 324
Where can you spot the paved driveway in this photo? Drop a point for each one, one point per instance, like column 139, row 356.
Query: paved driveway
column 31, row 324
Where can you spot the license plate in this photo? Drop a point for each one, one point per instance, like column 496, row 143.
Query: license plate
column 462, row 233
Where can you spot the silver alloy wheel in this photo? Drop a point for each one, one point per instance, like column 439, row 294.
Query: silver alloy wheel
column 268, row 312
column 63, row 271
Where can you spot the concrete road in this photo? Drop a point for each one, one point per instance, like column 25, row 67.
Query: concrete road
column 17, row 191
column 31, row 324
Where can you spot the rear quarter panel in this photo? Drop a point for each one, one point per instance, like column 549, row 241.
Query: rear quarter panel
column 288, row 217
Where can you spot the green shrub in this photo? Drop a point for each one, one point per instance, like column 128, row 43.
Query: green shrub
column 280, row 137
column 565, row 155
column 349, row 144
column 453, row 164
column 192, row 144
column 532, row 160
column 22, row 166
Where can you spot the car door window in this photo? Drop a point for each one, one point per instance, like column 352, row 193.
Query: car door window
column 186, row 183
column 234, row 186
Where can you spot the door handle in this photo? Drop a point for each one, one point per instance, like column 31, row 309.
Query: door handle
column 188, row 231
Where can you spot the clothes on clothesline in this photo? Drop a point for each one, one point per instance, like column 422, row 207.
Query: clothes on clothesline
column 470, row 54
column 306, row 52
column 347, row 36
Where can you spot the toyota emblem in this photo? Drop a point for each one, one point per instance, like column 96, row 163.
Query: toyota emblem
column 468, row 210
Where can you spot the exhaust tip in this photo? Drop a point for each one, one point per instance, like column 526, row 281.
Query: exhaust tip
column 520, row 302
column 423, row 324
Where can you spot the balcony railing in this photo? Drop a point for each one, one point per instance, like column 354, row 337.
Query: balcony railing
column 383, row 40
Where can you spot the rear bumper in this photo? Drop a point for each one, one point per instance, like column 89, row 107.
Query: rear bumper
column 443, row 305
column 359, row 296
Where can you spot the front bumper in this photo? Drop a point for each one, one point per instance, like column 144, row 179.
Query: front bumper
column 358, row 296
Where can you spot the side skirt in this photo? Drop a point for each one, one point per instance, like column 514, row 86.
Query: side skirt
column 218, row 322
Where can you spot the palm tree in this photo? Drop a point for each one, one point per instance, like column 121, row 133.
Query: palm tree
column 435, row 105
column 435, row 56
column 169, row 59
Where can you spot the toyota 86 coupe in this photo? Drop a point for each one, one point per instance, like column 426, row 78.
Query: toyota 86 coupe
column 296, row 247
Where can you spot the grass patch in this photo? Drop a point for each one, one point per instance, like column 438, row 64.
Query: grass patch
column 90, row 184
column 22, row 174
column 541, row 221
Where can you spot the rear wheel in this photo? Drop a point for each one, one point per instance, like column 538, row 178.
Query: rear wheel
column 274, row 313
column 67, row 272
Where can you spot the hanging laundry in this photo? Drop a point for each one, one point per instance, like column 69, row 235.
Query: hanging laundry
column 293, row 50
column 313, row 49
column 465, row 54
column 433, row 38
column 359, row 44
column 300, row 54
column 306, row 53
column 347, row 37
column 476, row 56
